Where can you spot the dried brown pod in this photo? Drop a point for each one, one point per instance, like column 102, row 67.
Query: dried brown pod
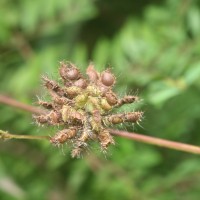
column 54, row 117
column 92, row 73
column 81, row 83
column 111, row 97
column 82, row 108
column 45, row 104
column 105, row 139
column 41, row 119
column 107, row 78
column 69, row 71
column 63, row 136
column 133, row 117
column 127, row 100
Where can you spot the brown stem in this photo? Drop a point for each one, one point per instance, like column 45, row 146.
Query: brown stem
column 158, row 142
column 12, row 102
column 133, row 136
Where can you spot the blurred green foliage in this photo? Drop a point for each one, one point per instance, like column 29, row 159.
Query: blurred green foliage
column 152, row 46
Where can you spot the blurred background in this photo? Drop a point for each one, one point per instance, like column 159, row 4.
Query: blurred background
column 153, row 48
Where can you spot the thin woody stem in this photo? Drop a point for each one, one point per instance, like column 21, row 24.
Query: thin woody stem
column 157, row 141
column 5, row 135
column 12, row 102
column 133, row 136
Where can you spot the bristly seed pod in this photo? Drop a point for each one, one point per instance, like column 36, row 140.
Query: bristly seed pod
column 72, row 74
column 127, row 100
column 105, row 139
column 81, row 108
column 105, row 105
column 70, row 115
column 63, row 136
column 69, row 71
column 45, row 104
column 92, row 73
column 52, row 86
column 81, row 83
column 72, row 91
column 111, row 98
column 54, row 117
column 40, row 120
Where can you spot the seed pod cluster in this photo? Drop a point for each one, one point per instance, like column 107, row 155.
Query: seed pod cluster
column 82, row 107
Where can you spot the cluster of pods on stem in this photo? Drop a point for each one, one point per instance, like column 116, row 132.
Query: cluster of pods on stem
column 83, row 107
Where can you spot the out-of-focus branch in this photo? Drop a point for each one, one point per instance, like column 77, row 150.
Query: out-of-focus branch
column 12, row 102
column 132, row 136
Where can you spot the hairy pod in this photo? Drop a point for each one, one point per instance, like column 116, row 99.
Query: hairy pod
column 70, row 114
column 45, row 104
column 95, row 120
column 72, row 91
column 133, row 117
column 61, row 100
column 115, row 119
column 124, row 117
column 107, row 78
column 68, row 71
column 52, row 86
column 41, row 119
column 63, row 136
column 54, row 117
column 105, row 105
column 127, row 100
column 93, row 90
column 81, row 83
column 105, row 139
column 92, row 73
column 81, row 100
column 92, row 104
column 111, row 98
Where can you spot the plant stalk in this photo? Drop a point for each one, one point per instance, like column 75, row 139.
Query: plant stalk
column 4, row 135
